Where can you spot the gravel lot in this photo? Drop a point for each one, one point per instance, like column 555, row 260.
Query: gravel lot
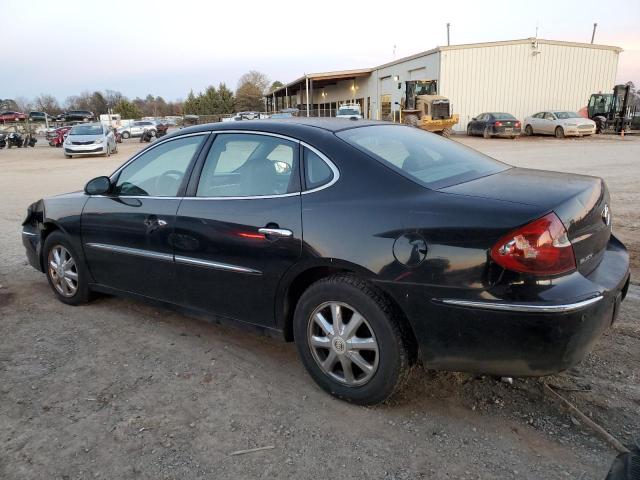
column 119, row 389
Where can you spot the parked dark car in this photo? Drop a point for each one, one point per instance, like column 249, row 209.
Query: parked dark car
column 366, row 243
column 78, row 116
column 12, row 116
column 494, row 124
column 39, row 116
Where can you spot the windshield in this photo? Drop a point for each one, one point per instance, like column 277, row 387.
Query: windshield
column 426, row 158
column 86, row 130
column 565, row 115
column 348, row 111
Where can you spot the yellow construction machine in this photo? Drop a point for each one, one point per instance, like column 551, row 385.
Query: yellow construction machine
column 424, row 108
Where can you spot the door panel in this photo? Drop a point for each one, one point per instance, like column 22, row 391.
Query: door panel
column 126, row 243
column 224, row 265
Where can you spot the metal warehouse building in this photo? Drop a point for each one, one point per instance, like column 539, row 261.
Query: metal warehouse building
column 521, row 77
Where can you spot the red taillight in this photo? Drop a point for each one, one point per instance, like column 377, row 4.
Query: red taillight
column 498, row 124
column 517, row 124
column 541, row 247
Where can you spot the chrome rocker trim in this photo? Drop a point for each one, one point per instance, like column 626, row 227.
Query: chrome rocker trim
column 170, row 258
column 523, row 307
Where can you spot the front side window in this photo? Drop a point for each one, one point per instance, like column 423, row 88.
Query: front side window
column 246, row 165
column 425, row 158
column 159, row 171
column 549, row 116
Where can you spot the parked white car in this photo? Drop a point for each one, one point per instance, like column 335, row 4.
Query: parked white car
column 559, row 123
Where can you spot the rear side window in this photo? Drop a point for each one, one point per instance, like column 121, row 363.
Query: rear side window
column 316, row 170
column 425, row 158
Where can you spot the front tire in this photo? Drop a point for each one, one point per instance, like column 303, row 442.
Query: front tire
column 486, row 133
column 528, row 130
column 126, row 135
column 66, row 273
column 559, row 132
column 351, row 340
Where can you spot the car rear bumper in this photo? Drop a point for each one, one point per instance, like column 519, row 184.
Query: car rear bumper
column 506, row 131
column 535, row 337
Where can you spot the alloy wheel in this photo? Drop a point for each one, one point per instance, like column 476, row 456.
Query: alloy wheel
column 342, row 343
column 63, row 271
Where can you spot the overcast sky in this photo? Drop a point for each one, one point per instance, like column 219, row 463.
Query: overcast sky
column 168, row 48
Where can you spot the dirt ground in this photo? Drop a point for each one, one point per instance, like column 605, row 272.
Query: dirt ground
column 119, row 389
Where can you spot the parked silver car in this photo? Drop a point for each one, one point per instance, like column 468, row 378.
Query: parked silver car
column 90, row 139
column 559, row 123
column 137, row 128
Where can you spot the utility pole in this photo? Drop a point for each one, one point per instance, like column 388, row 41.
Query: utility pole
column 593, row 35
column 448, row 42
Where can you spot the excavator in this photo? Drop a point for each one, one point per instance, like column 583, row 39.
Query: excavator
column 422, row 107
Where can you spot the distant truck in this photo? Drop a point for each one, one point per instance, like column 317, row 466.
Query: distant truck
column 349, row 110
column 111, row 120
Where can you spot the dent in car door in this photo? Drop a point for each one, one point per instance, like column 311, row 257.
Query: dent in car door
column 242, row 229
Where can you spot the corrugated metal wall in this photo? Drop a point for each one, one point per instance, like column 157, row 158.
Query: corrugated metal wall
column 514, row 79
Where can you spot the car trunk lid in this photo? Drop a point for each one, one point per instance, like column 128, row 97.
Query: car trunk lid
column 581, row 202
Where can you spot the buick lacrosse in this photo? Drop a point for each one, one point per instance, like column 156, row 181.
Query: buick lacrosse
column 370, row 245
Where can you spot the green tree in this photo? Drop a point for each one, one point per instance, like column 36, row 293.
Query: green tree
column 276, row 85
column 127, row 109
column 227, row 100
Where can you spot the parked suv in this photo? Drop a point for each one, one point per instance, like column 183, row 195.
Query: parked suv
column 135, row 129
column 78, row 115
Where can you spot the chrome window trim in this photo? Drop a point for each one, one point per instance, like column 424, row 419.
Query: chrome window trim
column 131, row 251
column 524, row 307
column 215, row 265
column 330, row 164
column 154, row 145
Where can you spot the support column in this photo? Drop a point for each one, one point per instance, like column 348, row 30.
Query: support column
column 307, row 94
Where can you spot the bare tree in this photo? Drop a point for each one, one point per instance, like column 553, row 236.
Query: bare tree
column 252, row 86
column 47, row 103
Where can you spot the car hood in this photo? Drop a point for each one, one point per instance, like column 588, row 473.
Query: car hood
column 577, row 121
column 84, row 138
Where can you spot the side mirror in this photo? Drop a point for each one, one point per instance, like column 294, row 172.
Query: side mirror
column 98, row 186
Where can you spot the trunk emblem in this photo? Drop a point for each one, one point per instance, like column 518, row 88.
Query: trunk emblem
column 606, row 215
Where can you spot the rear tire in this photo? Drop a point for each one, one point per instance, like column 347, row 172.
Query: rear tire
column 126, row 134
column 559, row 132
column 356, row 373
column 486, row 133
column 528, row 130
column 469, row 134
column 446, row 132
column 69, row 278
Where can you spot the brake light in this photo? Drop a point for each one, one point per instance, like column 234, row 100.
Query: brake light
column 517, row 124
column 541, row 247
column 498, row 124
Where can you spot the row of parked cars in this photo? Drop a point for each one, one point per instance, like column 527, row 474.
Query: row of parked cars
column 558, row 123
column 70, row 116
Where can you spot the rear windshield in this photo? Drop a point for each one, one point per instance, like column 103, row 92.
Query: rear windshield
column 503, row 116
column 426, row 158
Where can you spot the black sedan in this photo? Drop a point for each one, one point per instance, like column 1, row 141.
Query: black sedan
column 368, row 244
column 494, row 124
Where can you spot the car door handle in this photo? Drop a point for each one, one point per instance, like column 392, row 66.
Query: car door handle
column 276, row 232
column 153, row 221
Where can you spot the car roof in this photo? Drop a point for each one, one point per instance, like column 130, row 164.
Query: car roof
column 292, row 126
